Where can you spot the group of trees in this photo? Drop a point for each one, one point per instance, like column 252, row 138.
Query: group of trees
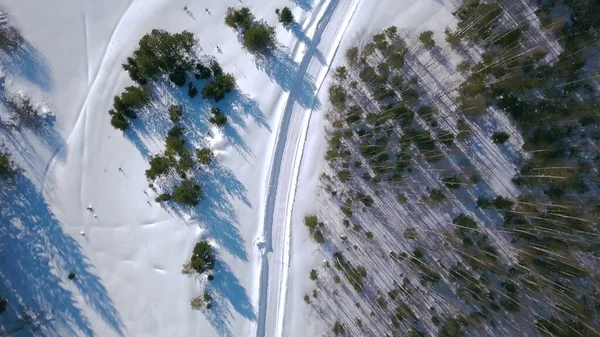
column 258, row 36
column 125, row 106
column 203, row 260
column 555, row 106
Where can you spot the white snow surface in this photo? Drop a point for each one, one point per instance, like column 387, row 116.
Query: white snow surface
column 129, row 259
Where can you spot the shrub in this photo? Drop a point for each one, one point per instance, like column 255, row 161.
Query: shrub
column 175, row 113
column 188, row 193
column 205, row 155
column 163, row 197
column 436, row 195
column 484, row 203
column 203, row 257
column 286, row 16
column 192, row 91
column 7, row 169
column 160, row 52
column 500, row 137
column 202, row 72
column 427, row 39
column 339, row 328
column 3, row 304
column 260, row 38
column 314, row 275
column 159, row 166
column 177, row 76
column 132, row 98
column 219, row 119
column 307, row 299
column 174, row 141
column 337, row 96
column 352, row 56
column 219, row 88
column 196, row 303
column 240, row 19
column 118, row 121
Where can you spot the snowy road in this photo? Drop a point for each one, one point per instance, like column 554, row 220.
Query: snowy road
column 315, row 59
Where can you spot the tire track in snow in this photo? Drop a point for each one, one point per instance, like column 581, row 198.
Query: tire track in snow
column 289, row 147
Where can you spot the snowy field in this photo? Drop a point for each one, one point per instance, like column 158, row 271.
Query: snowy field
column 129, row 260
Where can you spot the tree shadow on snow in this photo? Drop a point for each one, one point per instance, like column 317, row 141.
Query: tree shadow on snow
column 306, row 5
column 226, row 288
column 27, row 62
column 36, row 258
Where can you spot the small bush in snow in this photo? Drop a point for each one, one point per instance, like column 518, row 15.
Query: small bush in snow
column 260, row 38
column 218, row 118
column 427, row 39
column 205, row 156
column 500, row 137
column 187, row 193
column 286, row 16
column 203, row 257
column 196, row 303
column 7, row 169
column 163, row 197
column 314, row 275
column 192, row 90
column 175, row 113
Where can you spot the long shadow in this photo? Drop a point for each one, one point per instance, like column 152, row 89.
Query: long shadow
column 27, row 62
column 226, row 288
column 306, row 5
column 290, row 76
column 36, row 258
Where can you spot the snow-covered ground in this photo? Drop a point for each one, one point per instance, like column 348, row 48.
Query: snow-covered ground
column 128, row 263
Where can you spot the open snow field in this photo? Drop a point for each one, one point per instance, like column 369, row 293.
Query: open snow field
column 128, row 263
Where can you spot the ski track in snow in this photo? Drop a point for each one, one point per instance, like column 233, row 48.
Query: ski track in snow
column 82, row 118
column 285, row 164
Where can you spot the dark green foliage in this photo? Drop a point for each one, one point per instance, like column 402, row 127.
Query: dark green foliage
column 192, row 90
column 314, row 275
column 464, row 130
column 132, row 98
column 464, row 223
column 484, row 203
column 188, row 193
column 219, row 88
column 160, row 53
column 175, row 113
column 339, row 328
column 163, row 197
column 210, row 277
column 177, row 76
column 159, row 166
column 71, row 276
column 500, row 137
column 286, row 16
column 426, row 39
column 240, row 19
column 7, row 169
column 216, row 69
column 487, row 14
column 175, row 142
column 503, row 203
column 202, row 72
column 314, row 229
column 203, row 257
column 436, row 195
column 118, row 121
column 219, row 119
column 355, row 275
column 260, row 38
column 352, row 56
column 205, row 156
column 10, row 37
column 337, row 96
column 427, row 112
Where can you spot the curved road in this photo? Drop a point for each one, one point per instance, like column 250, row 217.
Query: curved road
column 286, row 159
